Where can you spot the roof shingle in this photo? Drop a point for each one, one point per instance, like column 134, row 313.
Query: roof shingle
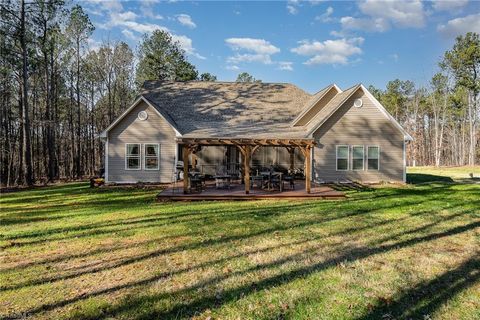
column 229, row 109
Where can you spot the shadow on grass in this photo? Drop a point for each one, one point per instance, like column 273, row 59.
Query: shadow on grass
column 425, row 298
column 418, row 178
column 139, row 305
column 142, row 305
column 263, row 217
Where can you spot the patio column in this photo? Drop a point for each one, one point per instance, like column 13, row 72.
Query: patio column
column 291, row 152
column 246, row 162
column 186, row 153
column 306, row 150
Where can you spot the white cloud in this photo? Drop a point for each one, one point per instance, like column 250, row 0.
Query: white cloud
column 234, row 68
column 394, row 57
column 292, row 6
column 408, row 13
column 106, row 5
column 259, row 46
column 186, row 20
column 448, row 5
column 285, row 65
column 142, row 27
column 147, row 9
column 249, row 50
column 459, row 26
column 326, row 16
column 329, row 51
column 93, row 44
column 364, row 24
column 129, row 34
column 291, row 9
column 381, row 15
column 186, row 44
column 338, row 34
column 248, row 57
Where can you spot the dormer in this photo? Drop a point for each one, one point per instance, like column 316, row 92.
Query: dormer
column 316, row 103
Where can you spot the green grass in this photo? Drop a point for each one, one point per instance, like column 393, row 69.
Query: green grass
column 77, row 253
column 445, row 174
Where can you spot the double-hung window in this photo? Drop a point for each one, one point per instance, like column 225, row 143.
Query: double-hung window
column 373, row 156
column 357, row 157
column 342, row 158
column 151, row 157
column 132, row 156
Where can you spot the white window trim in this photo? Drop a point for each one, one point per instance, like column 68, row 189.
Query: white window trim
column 378, row 167
column 363, row 158
column 139, row 157
column 336, row 156
column 145, row 156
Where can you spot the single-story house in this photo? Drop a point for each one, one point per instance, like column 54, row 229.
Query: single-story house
column 333, row 135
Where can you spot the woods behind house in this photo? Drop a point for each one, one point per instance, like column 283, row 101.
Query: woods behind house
column 59, row 90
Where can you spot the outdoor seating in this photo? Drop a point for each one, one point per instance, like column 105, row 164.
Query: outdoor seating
column 197, row 182
column 222, row 181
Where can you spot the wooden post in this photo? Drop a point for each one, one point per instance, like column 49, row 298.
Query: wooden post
column 194, row 161
column 291, row 151
column 186, row 152
column 308, row 169
column 246, row 162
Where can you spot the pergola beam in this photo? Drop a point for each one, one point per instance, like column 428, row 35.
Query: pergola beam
column 246, row 141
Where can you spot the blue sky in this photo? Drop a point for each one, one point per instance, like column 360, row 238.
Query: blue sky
column 308, row 43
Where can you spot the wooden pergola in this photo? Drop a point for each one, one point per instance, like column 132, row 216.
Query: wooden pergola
column 247, row 148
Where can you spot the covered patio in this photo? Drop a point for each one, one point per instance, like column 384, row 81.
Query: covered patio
column 247, row 148
column 237, row 192
column 243, row 187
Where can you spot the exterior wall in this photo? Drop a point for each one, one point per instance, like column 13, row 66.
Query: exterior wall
column 366, row 126
column 212, row 159
column 132, row 130
column 277, row 156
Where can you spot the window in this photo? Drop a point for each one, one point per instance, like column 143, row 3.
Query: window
column 357, row 157
column 342, row 158
column 373, row 155
column 152, row 154
column 132, row 157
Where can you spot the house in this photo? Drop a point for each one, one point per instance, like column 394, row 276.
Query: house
column 334, row 134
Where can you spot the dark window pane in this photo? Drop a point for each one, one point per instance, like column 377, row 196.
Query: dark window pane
column 357, row 164
column 342, row 164
column 151, row 150
column 151, row 163
column 133, row 149
column 373, row 164
column 133, row 163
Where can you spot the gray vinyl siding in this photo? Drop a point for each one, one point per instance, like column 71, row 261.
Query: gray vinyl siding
column 212, row 159
column 276, row 156
column 365, row 126
column 132, row 130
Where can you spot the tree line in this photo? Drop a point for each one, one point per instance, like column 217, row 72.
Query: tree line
column 442, row 117
column 57, row 94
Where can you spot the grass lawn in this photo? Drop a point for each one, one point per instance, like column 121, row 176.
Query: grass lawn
column 444, row 173
column 72, row 252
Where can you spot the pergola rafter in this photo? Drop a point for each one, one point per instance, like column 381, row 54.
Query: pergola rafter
column 247, row 148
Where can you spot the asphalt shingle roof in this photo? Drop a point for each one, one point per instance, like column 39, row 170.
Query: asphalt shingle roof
column 232, row 109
